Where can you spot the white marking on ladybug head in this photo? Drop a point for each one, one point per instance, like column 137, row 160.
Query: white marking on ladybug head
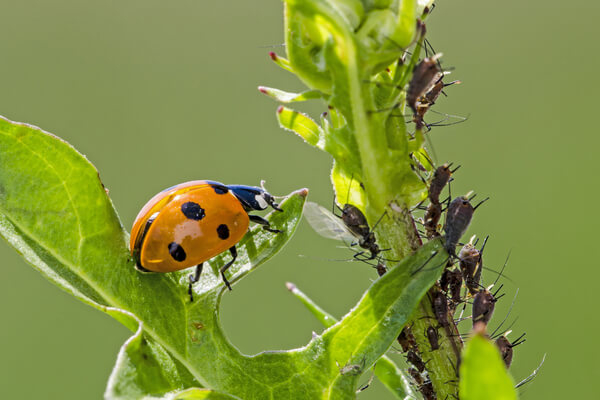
column 262, row 203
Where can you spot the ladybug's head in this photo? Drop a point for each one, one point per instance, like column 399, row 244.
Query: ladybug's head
column 254, row 198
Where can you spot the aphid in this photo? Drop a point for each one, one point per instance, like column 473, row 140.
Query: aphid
column 427, row 391
column 425, row 102
column 440, row 308
column 471, row 265
column 433, row 337
column 415, row 360
column 438, row 88
column 381, row 269
column 458, row 218
column 187, row 224
column 445, row 278
column 425, row 75
column 484, row 303
column 431, row 219
column 440, row 179
column 416, row 375
column 406, row 339
column 455, row 279
column 357, row 223
column 352, row 369
column 506, row 347
column 350, row 226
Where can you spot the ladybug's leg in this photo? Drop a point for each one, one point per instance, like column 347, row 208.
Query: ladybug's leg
column 266, row 225
column 193, row 279
column 224, row 268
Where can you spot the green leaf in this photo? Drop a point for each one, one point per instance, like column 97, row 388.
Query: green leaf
column 300, row 124
column 394, row 379
column 288, row 97
column 200, row 394
column 55, row 211
column 145, row 367
column 385, row 369
column 323, row 316
column 351, row 10
column 370, row 328
column 483, row 374
column 405, row 30
column 347, row 187
column 281, row 62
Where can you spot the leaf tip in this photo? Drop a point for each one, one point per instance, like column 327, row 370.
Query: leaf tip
column 291, row 287
column 263, row 90
column 301, row 192
column 273, row 55
column 280, row 109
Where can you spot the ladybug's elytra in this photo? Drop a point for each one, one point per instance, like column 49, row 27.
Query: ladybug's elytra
column 189, row 223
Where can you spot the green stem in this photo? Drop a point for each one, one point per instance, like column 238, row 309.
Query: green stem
column 380, row 152
column 370, row 138
column 399, row 234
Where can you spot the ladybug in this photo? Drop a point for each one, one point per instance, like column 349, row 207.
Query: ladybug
column 189, row 223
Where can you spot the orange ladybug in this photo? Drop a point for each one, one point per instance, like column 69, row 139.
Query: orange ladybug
column 189, row 223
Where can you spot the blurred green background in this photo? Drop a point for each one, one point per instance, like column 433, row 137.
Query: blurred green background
column 155, row 93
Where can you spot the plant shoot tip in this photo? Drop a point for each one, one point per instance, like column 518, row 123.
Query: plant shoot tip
column 302, row 192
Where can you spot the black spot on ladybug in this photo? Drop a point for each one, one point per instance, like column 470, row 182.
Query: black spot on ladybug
column 220, row 189
column 223, row 231
column 192, row 211
column 176, row 251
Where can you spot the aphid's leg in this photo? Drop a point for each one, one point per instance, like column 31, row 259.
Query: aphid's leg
column 365, row 386
column 266, row 225
column 224, row 268
column 427, row 262
column 195, row 277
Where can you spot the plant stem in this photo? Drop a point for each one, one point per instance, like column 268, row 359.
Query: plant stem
column 399, row 234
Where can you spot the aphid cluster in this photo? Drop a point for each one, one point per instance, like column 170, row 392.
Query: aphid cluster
column 460, row 282
column 433, row 213
column 418, row 371
column 425, row 87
